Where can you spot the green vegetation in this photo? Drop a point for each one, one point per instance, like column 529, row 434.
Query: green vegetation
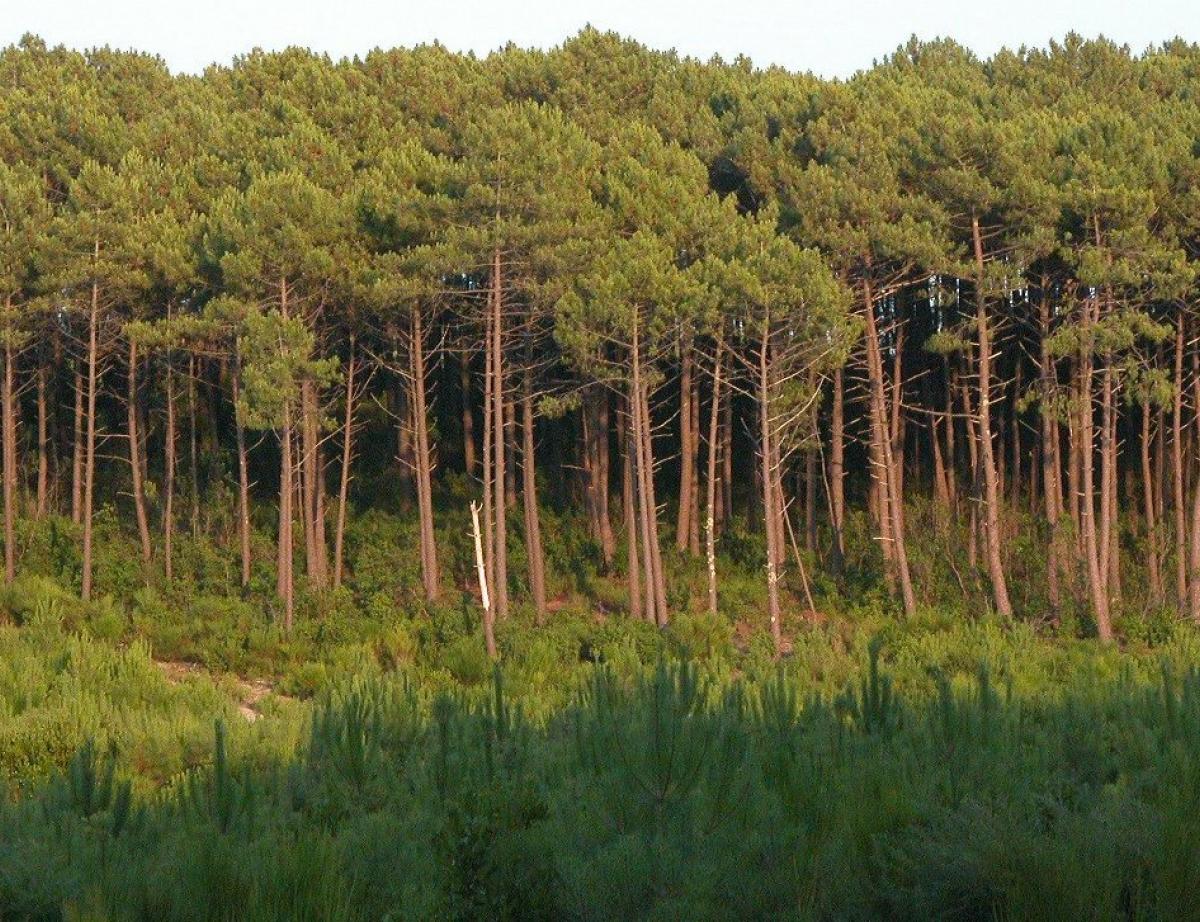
column 947, row 770
column 598, row 484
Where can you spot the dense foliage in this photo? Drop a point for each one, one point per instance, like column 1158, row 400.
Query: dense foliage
column 261, row 299
column 1039, row 783
column 593, row 483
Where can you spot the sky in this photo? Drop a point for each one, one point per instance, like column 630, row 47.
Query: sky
column 830, row 38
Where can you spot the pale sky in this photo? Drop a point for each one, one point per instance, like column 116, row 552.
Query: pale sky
column 828, row 37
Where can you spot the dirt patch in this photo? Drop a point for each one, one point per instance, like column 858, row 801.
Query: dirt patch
column 250, row 692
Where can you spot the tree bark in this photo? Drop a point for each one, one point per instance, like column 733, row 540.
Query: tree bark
column 1148, row 511
column 991, row 500
column 1178, row 499
column 89, row 459
column 468, row 417
column 499, row 440
column 135, row 461
column 533, row 528
column 891, row 519
column 243, row 464
column 1096, row 584
column 1051, row 478
column 837, row 471
column 43, row 442
column 686, row 458
column 78, row 450
column 285, row 582
column 631, row 514
column 710, row 505
column 769, row 504
column 169, row 449
column 430, row 575
column 339, row 536
column 9, row 428
column 194, row 456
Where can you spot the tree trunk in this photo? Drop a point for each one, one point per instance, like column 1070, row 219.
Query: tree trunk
column 169, row 448
column 43, row 442
column 727, row 460
column 656, row 602
column 1178, row 498
column 630, row 514
column 1096, row 584
column 710, row 542
column 430, row 575
column 887, row 481
column 499, row 440
column 1051, row 478
column 837, row 471
column 135, row 461
column 89, row 459
column 489, row 632
column 991, row 500
column 770, row 506
column 468, row 418
column 686, row 458
column 285, row 582
column 601, row 466
column 339, row 536
column 533, row 528
column 1148, row 511
column 192, row 446
column 9, row 427
column 78, row 450
column 243, row 464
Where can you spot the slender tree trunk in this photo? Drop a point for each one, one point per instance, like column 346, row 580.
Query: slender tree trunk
column 810, row 500
column 940, row 495
column 489, row 632
column 499, row 439
column 285, row 582
column 193, row 446
column 510, row 454
column 489, row 472
column 1194, row 556
column 710, row 542
column 243, row 464
column 78, row 450
column 1178, row 497
column 686, row 458
column 770, row 506
column 694, row 491
column 1096, row 583
column 430, row 575
column 837, row 471
column 889, row 494
column 991, row 499
column 1051, row 478
column 468, row 417
column 135, row 461
column 9, row 427
column 339, row 536
column 660, row 579
column 1148, row 511
column 43, row 442
column 89, row 460
column 656, row 603
column 533, row 528
column 630, row 514
column 976, row 480
column 169, row 448
column 607, row 541
column 727, row 460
